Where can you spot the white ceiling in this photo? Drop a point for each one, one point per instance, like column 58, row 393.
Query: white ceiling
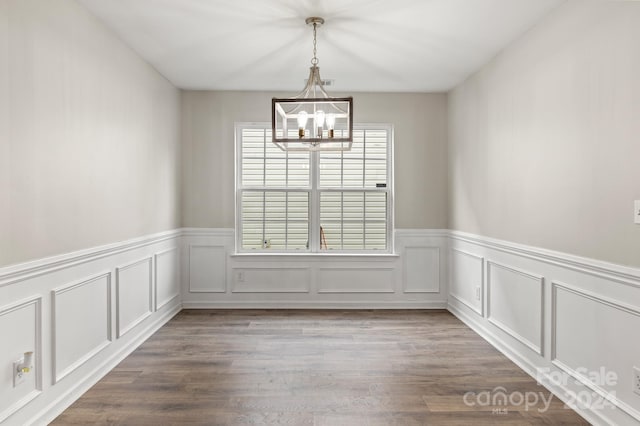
column 365, row 45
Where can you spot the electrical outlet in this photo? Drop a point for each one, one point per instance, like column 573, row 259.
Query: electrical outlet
column 240, row 277
column 636, row 380
column 478, row 293
column 18, row 377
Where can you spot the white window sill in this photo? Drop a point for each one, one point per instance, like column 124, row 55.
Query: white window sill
column 316, row 256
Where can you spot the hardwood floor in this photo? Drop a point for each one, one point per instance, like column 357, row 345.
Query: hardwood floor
column 272, row 367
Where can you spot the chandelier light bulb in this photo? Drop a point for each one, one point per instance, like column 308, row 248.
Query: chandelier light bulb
column 302, row 123
column 319, row 122
column 331, row 120
column 331, row 123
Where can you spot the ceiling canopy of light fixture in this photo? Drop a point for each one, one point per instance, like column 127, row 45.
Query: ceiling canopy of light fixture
column 312, row 120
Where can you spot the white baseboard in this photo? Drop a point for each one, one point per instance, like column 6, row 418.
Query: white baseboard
column 556, row 316
column 592, row 417
column 415, row 277
column 77, row 307
column 49, row 413
column 314, row 305
column 566, row 289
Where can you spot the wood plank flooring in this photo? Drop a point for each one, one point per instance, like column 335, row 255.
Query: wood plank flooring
column 307, row 367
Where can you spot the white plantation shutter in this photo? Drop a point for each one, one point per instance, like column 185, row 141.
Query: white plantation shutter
column 264, row 165
column 321, row 201
column 355, row 219
column 274, row 212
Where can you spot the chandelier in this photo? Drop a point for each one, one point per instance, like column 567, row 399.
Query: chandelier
column 312, row 120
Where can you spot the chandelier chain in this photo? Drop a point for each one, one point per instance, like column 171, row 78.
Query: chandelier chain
column 314, row 60
column 323, row 122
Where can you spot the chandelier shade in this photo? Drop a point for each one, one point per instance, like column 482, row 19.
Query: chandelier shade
column 312, row 120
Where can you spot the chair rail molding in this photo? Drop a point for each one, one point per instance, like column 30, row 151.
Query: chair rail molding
column 71, row 311
column 558, row 315
column 538, row 307
column 301, row 280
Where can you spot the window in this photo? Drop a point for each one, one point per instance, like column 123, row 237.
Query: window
column 314, row 202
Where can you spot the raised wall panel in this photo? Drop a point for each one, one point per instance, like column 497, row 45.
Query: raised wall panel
column 467, row 275
column 421, row 269
column 75, row 304
column 167, row 273
column 134, row 290
column 593, row 332
column 271, row 280
column 314, row 280
column 21, row 331
column 356, row 280
column 207, row 269
column 81, row 319
column 515, row 304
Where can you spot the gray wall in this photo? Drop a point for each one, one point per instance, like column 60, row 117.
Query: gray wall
column 89, row 135
column 545, row 139
column 208, row 152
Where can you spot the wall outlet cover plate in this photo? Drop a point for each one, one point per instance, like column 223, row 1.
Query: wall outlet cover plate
column 17, row 377
column 636, row 380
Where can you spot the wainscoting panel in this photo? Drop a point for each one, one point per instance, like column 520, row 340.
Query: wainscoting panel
column 167, row 276
column 567, row 321
column 421, row 269
column 21, row 329
column 584, row 314
column 271, row 280
column 515, row 304
column 81, row 321
column 412, row 278
column 134, row 290
column 68, row 309
column 356, row 280
column 207, row 268
column 467, row 279
column 591, row 332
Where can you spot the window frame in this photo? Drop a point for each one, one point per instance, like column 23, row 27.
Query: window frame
column 314, row 190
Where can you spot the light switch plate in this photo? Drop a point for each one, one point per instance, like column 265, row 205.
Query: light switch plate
column 636, row 212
